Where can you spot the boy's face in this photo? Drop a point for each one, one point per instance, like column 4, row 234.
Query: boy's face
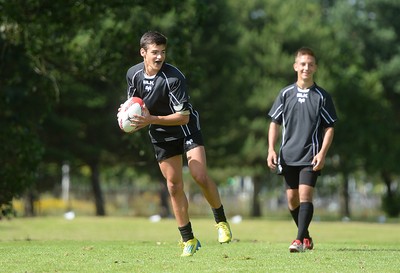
column 305, row 67
column 153, row 58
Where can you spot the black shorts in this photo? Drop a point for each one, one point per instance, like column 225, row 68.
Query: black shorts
column 164, row 150
column 295, row 175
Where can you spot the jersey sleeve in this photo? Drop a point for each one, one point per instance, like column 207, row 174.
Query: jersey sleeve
column 275, row 113
column 328, row 112
column 130, row 91
column 179, row 96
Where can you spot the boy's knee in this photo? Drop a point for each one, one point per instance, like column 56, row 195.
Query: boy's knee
column 201, row 179
column 174, row 188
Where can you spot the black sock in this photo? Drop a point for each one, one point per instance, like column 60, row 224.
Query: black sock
column 186, row 232
column 295, row 216
column 219, row 214
column 305, row 216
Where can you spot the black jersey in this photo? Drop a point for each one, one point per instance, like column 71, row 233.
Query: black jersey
column 164, row 94
column 303, row 114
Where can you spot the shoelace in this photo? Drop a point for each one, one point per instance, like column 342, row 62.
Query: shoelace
column 182, row 244
column 223, row 227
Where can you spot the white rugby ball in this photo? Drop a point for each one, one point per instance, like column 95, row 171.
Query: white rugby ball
column 133, row 106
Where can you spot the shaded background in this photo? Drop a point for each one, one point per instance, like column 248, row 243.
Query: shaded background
column 62, row 78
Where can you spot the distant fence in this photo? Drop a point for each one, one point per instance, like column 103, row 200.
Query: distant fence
column 129, row 200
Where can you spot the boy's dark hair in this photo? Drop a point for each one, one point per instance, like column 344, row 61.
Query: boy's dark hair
column 152, row 37
column 305, row 51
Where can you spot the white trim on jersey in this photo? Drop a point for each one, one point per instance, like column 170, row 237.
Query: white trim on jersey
column 288, row 89
column 314, row 138
column 276, row 114
column 177, row 69
column 130, row 94
column 185, row 128
column 283, row 131
column 196, row 114
column 324, row 113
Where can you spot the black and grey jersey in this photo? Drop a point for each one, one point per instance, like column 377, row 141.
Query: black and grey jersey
column 303, row 114
column 164, row 94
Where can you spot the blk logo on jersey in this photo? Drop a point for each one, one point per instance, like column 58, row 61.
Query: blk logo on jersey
column 148, row 85
column 148, row 82
column 302, row 97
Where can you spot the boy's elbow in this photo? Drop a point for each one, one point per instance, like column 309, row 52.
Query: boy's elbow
column 184, row 119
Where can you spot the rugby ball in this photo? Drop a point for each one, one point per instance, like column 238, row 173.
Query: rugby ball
column 133, row 106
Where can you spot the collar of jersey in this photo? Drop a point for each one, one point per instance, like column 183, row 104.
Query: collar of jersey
column 149, row 77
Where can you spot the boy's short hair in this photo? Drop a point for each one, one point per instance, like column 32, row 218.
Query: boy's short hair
column 305, row 51
column 152, row 37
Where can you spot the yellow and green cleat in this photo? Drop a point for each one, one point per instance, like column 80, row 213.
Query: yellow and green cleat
column 190, row 247
column 224, row 232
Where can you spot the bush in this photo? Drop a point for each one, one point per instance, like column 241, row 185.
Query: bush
column 7, row 211
column 391, row 204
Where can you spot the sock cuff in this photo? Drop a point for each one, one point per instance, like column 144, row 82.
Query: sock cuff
column 306, row 205
column 186, row 227
column 219, row 214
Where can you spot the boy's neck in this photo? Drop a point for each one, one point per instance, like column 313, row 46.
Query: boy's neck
column 304, row 84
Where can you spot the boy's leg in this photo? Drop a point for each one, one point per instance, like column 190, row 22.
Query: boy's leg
column 198, row 169
column 171, row 168
column 197, row 164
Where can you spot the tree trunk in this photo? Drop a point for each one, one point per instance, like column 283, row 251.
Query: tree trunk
column 97, row 192
column 345, row 197
column 390, row 200
column 29, row 204
column 256, row 206
column 388, row 182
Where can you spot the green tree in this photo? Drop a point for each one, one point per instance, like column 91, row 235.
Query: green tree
column 270, row 33
column 65, row 68
column 24, row 100
column 383, row 29
column 84, row 52
column 91, row 73
column 365, row 32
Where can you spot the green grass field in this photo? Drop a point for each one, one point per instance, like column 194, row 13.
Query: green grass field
column 109, row 244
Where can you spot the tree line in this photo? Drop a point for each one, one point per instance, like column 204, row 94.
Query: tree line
column 62, row 78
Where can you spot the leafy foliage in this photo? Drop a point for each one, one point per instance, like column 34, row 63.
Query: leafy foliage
column 63, row 65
